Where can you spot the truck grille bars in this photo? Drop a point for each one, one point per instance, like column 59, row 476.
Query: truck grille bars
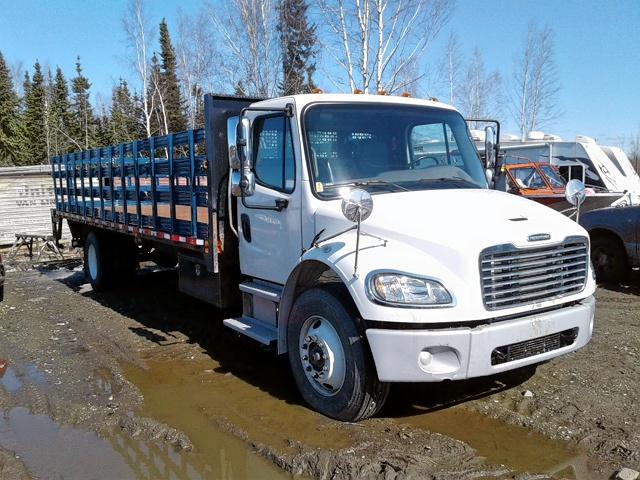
column 512, row 276
column 536, row 346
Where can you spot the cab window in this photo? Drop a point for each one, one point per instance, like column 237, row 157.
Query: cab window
column 273, row 159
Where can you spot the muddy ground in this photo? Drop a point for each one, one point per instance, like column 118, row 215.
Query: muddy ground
column 143, row 382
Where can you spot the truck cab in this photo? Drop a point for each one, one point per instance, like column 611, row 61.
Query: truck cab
column 372, row 251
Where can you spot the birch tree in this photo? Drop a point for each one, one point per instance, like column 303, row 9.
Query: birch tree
column 480, row 92
column 535, row 83
column 451, row 68
column 250, row 44
column 138, row 35
column 195, row 50
column 377, row 42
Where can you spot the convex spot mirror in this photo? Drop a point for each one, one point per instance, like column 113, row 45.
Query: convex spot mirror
column 357, row 205
column 490, row 146
column 234, row 160
column 575, row 192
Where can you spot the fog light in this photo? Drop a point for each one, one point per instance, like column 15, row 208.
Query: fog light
column 439, row 360
column 424, row 359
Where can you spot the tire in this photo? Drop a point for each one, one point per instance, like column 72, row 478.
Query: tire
column 609, row 259
column 97, row 269
column 325, row 313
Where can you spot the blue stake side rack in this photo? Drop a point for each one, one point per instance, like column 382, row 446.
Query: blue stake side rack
column 170, row 189
column 151, row 187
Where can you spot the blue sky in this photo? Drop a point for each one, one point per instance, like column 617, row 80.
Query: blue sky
column 597, row 48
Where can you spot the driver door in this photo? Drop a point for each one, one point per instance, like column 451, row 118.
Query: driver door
column 270, row 240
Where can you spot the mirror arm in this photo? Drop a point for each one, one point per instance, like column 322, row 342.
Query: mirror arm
column 317, row 241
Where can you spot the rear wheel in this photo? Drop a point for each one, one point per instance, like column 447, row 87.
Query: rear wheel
column 330, row 359
column 109, row 260
column 96, row 264
column 609, row 259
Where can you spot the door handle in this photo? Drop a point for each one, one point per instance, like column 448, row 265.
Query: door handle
column 246, row 227
column 281, row 204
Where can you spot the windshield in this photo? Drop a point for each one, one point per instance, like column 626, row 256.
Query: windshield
column 389, row 148
column 527, row 177
column 554, row 178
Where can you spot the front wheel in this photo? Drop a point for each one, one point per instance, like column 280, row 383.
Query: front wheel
column 330, row 359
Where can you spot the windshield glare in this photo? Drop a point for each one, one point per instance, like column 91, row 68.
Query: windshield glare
column 389, row 148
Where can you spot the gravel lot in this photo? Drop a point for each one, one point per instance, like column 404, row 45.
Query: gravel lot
column 143, row 382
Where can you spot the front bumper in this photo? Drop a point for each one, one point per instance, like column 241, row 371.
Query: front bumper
column 459, row 353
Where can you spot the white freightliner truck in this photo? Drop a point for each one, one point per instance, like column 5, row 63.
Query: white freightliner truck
column 354, row 233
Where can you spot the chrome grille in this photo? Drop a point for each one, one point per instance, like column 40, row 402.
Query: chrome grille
column 512, row 276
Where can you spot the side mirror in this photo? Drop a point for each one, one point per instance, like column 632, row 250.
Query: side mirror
column 490, row 146
column 247, row 183
column 575, row 192
column 243, row 140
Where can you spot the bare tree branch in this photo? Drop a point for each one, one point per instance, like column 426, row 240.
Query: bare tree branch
column 380, row 41
column 535, row 83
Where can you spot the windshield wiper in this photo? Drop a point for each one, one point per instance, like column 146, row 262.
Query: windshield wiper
column 455, row 180
column 367, row 183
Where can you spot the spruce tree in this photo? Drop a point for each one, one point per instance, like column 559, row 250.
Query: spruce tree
column 298, row 40
column 103, row 127
column 169, row 84
column 35, row 147
column 60, row 115
column 125, row 126
column 10, row 125
column 82, row 120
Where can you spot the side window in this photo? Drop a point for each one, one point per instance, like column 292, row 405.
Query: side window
column 274, row 161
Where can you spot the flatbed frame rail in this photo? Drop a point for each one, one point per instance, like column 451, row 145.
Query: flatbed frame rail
column 157, row 187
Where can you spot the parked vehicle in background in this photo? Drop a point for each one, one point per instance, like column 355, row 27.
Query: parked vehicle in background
column 602, row 169
column 538, row 181
column 614, row 241
column 2, row 275
column 354, row 233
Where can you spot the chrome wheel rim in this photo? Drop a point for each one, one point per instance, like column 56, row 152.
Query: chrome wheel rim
column 322, row 355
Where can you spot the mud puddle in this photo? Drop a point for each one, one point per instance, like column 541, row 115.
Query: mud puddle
column 196, row 397
column 12, row 378
column 76, row 453
column 176, row 393
column 515, row 447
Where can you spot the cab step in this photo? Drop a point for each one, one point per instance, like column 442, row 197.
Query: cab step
column 262, row 289
column 253, row 328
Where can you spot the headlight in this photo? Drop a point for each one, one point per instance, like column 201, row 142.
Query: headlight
column 401, row 289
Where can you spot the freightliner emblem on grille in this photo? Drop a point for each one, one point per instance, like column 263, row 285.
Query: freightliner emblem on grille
column 538, row 237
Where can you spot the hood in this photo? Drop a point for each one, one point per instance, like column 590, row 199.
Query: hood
column 458, row 220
